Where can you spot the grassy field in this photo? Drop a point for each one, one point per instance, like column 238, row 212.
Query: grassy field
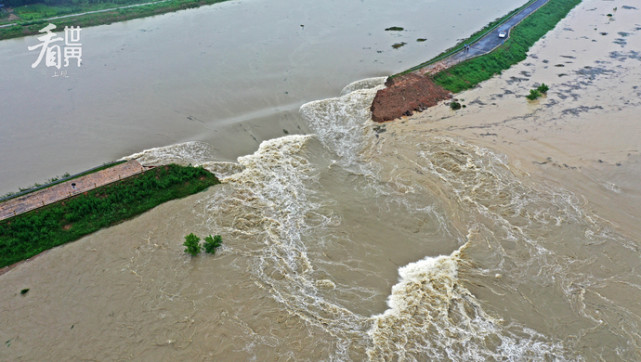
column 29, row 234
column 39, row 11
column 32, row 17
column 471, row 72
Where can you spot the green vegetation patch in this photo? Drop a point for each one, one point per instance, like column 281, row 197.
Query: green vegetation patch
column 193, row 247
column 538, row 92
column 534, row 94
column 394, row 28
column 471, row 72
column 192, row 244
column 461, row 44
column 543, row 88
column 213, row 243
column 29, row 234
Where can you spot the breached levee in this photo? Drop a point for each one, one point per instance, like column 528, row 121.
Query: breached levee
column 534, row 279
column 492, row 263
column 316, row 228
column 272, row 204
column 341, row 123
column 431, row 314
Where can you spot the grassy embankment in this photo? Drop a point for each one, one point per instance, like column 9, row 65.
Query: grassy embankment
column 471, row 72
column 29, row 234
column 473, row 38
column 34, row 17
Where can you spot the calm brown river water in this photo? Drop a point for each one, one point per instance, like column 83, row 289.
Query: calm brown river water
column 505, row 231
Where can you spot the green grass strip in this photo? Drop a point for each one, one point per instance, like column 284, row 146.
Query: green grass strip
column 468, row 74
column 24, row 28
column 29, row 234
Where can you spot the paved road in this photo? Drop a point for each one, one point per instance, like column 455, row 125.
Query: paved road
column 67, row 189
column 486, row 44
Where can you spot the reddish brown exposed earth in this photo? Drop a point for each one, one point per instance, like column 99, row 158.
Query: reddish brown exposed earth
column 405, row 95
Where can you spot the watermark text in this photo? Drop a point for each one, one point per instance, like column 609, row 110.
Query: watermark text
column 53, row 54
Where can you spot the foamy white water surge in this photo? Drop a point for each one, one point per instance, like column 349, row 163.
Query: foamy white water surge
column 188, row 153
column 431, row 312
column 366, row 83
column 277, row 203
column 531, row 249
column 432, row 315
column 273, row 201
column 318, row 228
column 503, row 243
column 341, row 123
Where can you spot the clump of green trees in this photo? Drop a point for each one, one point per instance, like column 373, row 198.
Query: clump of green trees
column 28, row 234
column 537, row 92
column 193, row 247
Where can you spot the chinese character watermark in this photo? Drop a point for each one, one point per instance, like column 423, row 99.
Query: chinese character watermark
column 52, row 53
column 62, row 73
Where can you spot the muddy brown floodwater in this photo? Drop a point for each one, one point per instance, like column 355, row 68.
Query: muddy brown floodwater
column 505, row 230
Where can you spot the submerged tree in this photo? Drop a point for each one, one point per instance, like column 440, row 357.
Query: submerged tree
column 534, row 94
column 192, row 244
column 543, row 88
column 213, row 243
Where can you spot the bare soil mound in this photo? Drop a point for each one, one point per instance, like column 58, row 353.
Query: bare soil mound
column 404, row 95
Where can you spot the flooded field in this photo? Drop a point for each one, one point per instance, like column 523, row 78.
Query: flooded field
column 505, row 230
